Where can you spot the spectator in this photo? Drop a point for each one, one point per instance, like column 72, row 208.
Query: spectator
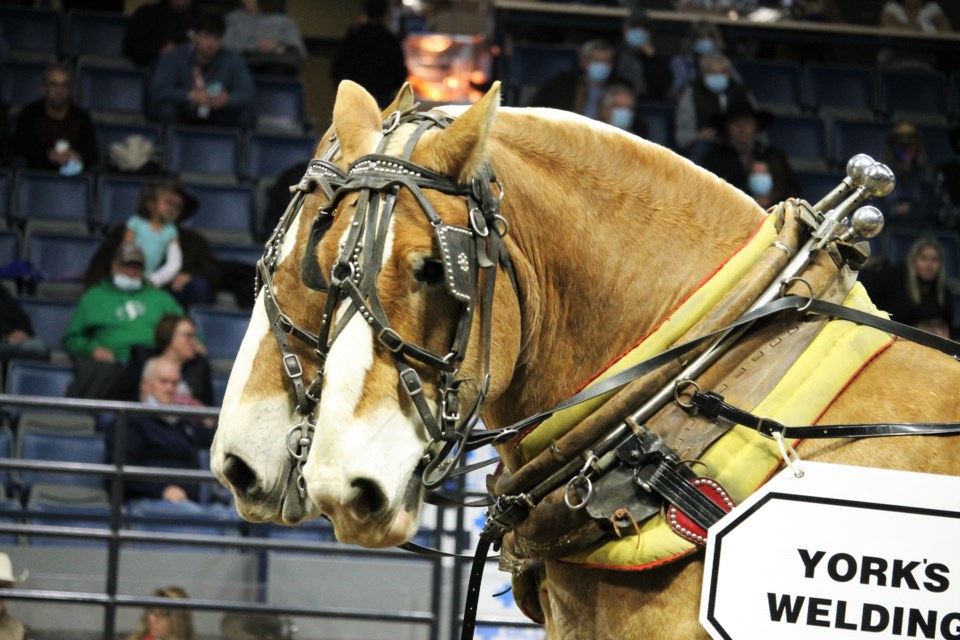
column 702, row 38
column 916, row 292
column 199, row 271
column 252, row 626
column 160, row 623
column 918, row 199
column 618, row 108
column 638, row 62
column 54, row 133
column 17, row 339
column 579, row 90
column 153, row 228
column 266, row 38
column 154, row 29
column 742, row 158
column 371, row 55
column 175, row 339
column 703, row 101
column 911, row 15
column 110, row 318
column 10, row 627
column 203, row 83
column 155, row 441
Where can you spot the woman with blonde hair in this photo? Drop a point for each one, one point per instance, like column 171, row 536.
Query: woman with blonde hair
column 161, row 623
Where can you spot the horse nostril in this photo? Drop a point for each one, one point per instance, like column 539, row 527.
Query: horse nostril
column 239, row 474
column 369, row 500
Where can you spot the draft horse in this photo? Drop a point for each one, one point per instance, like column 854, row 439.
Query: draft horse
column 491, row 261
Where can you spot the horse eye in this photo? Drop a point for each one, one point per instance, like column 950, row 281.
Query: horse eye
column 428, row 272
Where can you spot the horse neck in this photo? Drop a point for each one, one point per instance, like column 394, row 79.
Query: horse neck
column 609, row 234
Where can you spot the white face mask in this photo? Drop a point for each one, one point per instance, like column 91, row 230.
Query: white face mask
column 126, row 283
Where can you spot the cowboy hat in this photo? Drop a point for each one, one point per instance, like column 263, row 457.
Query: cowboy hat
column 6, row 570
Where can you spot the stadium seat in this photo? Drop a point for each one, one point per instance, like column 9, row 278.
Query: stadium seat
column 530, row 65
column 29, row 378
column 68, row 506
column 316, row 530
column 279, row 104
column 109, row 133
column 936, row 141
column 803, row 139
column 117, row 199
column 52, row 422
column 9, row 247
column 224, row 213
column 196, row 150
column 117, row 92
column 775, row 85
column 221, row 331
column 853, row 137
column 658, row 119
column 62, row 258
column 244, row 253
column 219, row 387
column 816, row 184
column 6, row 451
column 180, row 518
column 84, row 448
column 95, row 33
column 269, row 155
column 899, row 242
column 11, row 512
column 919, row 96
column 954, row 91
column 6, row 189
column 848, row 91
column 31, row 30
column 21, row 81
column 51, row 202
column 50, row 319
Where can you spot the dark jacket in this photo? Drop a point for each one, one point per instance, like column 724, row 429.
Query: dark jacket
column 371, row 56
column 37, row 133
column 725, row 161
column 12, row 315
column 151, row 26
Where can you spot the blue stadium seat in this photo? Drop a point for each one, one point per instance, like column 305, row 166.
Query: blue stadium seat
column 803, row 139
column 219, row 388
column 181, row 518
column 110, row 132
column 224, row 213
column 29, row 378
column 816, row 184
column 936, row 141
column 532, row 64
column 846, row 90
column 269, row 155
column 62, row 258
column 222, row 331
column 915, row 95
column 90, row 448
column 954, row 90
column 118, row 91
column 316, row 530
column 49, row 319
column 54, row 201
column 899, row 242
column 6, row 190
column 31, row 30
column 117, row 198
column 775, row 84
column 853, row 137
column 21, row 81
column 279, row 104
column 202, row 151
column 244, row 253
column 9, row 247
column 96, row 33
column 6, row 451
column 68, row 506
column 658, row 119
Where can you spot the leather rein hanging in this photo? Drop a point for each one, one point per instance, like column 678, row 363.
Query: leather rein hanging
column 465, row 252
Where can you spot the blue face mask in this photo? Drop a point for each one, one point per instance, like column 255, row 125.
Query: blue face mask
column 621, row 117
column 598, row 71
column 716, row 82
column 637, row 37
column 760, row 184
column 703, row 46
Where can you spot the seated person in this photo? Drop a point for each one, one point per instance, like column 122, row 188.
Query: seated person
column 203, row 83
column 158, row 441
column 156, row 28
column 266, row 38
column 175, row 340
column 16, row 332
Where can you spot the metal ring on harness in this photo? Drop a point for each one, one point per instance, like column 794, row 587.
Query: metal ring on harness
column 577, row 480
column 478, row 224
column 680, row 384
column 788, row 281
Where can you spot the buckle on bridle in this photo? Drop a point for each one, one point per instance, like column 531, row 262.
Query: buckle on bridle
column 390, row 339
column 411, row 382
column 291, row 364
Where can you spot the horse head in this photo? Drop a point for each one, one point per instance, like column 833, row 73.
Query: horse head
column 373, row 330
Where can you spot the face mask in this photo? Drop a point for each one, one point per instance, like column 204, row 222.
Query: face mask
column 126, row 283
column 622, row 117
column 760, row 184
column 598, row 71
column 905, row 153
column 71, row 168
column 716, row 82
column 704, row 46
column 636, row 37
column 152, row 401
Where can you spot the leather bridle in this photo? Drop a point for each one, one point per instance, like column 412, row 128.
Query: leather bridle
column 466, row 252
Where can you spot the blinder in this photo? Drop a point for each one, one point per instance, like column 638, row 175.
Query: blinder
column 310, row 273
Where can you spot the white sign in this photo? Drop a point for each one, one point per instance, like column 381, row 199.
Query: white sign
column 843, row 552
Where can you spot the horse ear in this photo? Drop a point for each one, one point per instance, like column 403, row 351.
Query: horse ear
column 356, row 120
column 460, row 149
column 402, row 102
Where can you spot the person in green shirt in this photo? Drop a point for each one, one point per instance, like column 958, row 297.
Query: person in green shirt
column 111, row 317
